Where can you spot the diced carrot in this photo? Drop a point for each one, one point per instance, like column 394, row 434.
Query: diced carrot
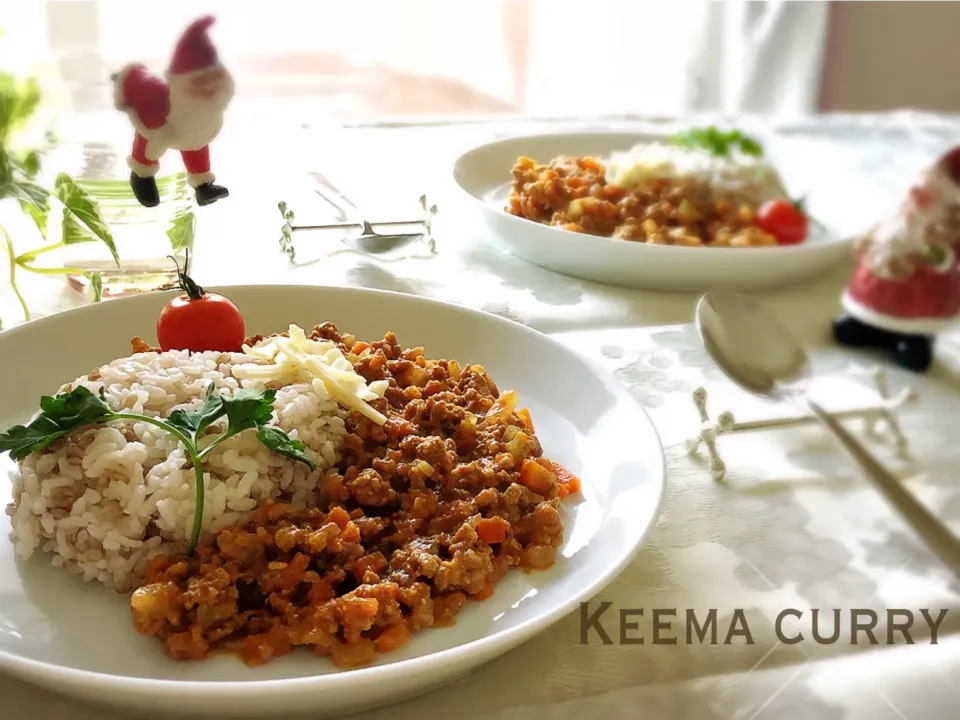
column 339, row 516
column 485, row 592
column 393, row 638
column 613, row 193
column 353, row 655
column 569, row 483
column 536, row 478
column 546, row 463
column 359, row 347
column 524, row 415
column 374, row 562
column 492, row 530
column 564, row 475
column 350, row 533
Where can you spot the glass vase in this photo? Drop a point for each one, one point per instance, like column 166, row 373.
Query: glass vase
column 150, row 242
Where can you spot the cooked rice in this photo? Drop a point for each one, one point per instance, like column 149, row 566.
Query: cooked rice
column 107, row 499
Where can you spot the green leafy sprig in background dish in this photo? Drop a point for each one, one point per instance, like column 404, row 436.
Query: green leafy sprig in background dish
column 722, row 143
column 717, row 142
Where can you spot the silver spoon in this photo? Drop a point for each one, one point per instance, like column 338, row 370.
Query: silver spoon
column 369, row 240
column 755, row 350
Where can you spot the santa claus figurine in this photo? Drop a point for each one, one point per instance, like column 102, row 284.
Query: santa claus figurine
column 906, row 287
column 182, row 112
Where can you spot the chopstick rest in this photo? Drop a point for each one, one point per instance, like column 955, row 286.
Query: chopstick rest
column 424, row 223
column 874, row 418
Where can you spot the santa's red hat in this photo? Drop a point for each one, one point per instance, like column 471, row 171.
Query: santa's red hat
column 194, row 51
column 147, row 96
column 949, row 162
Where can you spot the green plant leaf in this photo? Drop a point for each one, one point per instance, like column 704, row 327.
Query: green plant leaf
column 8, row 104
column 12, row 266
column 86, row 211
column 28, row 98
column 34, row 201
column 31, row 164
column 182, row 230
column 33, row 193
column 39, row 213
column 73, row 233
column 6, row 171
column 96, row 284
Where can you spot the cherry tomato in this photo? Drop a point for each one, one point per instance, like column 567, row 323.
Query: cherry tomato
column 784, row 220
column 199, row 321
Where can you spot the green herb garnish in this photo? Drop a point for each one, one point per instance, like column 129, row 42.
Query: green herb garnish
column 245, row 410
column 934, row 255
column 717, row 142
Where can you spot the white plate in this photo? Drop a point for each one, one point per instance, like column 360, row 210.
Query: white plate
column 484, row 175
column 78, row 639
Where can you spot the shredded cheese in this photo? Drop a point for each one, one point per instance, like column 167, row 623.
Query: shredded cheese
column 298, row 359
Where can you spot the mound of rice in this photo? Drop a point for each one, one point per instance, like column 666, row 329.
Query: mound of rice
column 109, row 498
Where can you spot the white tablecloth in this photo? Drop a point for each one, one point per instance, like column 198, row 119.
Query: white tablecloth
column 790, row 527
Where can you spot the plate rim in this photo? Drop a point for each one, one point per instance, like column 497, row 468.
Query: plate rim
column 21, row 667
column 832, row 242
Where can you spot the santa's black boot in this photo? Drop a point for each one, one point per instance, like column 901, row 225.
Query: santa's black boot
column 209, row 193
column 853, row 333
column 914, row 352
column 145, row 190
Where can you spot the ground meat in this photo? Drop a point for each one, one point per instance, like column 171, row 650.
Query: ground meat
column 421, row 515
column 139, row 345
column 572, row 193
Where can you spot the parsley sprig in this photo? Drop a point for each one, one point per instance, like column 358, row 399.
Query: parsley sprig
column 721, row 143
column 718, row 142
column 245, row 410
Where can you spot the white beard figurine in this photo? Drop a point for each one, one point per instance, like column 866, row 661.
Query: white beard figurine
column 183, row 112
column 906, row 287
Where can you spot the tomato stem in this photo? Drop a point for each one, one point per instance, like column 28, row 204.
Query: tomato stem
column 185, row 282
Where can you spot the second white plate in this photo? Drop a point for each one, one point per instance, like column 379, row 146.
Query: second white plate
column 483, row 173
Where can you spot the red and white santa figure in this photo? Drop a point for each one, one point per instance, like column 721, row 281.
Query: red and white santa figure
column 182, row 111
column 906, row 286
